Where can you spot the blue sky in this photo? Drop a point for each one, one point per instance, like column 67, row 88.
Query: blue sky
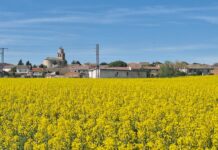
column 129, row 30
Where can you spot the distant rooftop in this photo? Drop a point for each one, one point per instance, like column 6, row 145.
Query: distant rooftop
column 199, row 66
column 38, row 69
column 53, row 58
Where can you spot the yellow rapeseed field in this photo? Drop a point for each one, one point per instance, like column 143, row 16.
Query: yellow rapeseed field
column 177, row 113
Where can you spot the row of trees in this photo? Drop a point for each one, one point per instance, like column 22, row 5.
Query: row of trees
column 21, row 63
column 118, row 63
column 28, row 63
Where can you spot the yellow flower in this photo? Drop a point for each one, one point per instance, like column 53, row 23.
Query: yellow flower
column 176, row 113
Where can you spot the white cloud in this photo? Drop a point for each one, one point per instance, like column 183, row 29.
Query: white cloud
column 189, row 47
column 19, row 53
column 205, row 59
column 118, row 15
column 158, row 10
column 208, row 19
column 33, row 40
column 61, row 19
column 10, row 14
column 4, row 41
column 171, row 48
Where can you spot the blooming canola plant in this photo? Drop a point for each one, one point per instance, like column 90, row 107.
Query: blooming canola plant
column 177, row 113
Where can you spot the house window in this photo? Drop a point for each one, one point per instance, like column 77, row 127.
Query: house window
column 127, row 74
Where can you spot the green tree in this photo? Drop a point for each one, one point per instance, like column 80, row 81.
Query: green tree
column 13, row 71
column 167, row 69
column 55, row 63
column 179, row 73
column 65, row 62
column 34, row 66
column 118, row 63
column 103, row 63
column 180, row 65
column 20, row 62
column 28, row 63
column 157, row 63
column 75, row 62
column 87, row 63
column 42, row 66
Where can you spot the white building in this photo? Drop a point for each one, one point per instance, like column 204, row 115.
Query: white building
column 8, row 67
column 21, row 69
column 197, row 69
column 83, row 70
column 123, row 72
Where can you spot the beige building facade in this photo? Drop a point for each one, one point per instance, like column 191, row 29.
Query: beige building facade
column 59, row 61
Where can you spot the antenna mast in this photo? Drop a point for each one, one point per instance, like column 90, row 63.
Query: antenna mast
column 2, row 53
column 97, row 62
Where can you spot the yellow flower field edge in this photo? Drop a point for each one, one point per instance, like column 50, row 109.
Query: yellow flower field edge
column 177, row 113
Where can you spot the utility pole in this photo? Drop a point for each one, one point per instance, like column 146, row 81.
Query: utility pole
column 2, row 53
column 97, row 62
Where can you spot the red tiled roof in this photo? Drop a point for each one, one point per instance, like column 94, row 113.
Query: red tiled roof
column 81, row 67
column 6, row 64
column 129, row 68
column 199, row 67
column 116, row 68
column 38, row 69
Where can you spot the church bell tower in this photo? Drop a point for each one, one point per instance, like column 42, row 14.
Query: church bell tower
column 61, row 54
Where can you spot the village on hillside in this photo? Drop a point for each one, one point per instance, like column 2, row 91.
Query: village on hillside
column 57, row 67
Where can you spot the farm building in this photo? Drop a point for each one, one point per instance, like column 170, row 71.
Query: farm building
column 197, row 69
column 38, row 72
column 124, row 72
column 8, row 67
column 83, row 70
column 214, row 71
column 21, row 69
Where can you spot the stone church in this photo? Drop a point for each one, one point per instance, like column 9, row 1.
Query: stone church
column 58, row 61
